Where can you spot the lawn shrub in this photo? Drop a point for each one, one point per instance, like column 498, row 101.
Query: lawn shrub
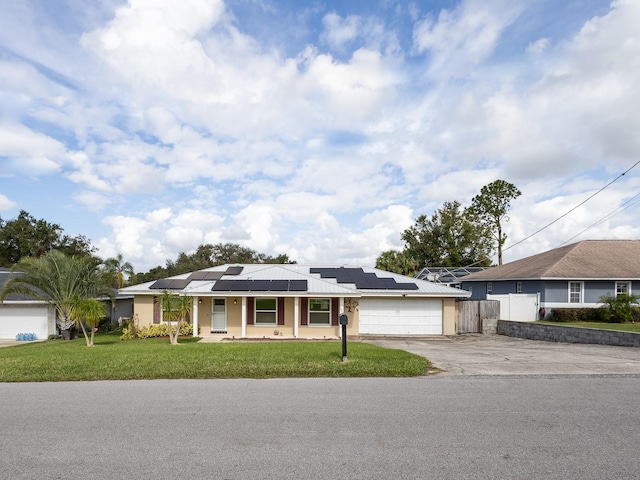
column 619, row 308
column 153, row 331
column 575, row 315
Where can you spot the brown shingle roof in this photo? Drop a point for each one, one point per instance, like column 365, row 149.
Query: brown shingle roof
column 588, row 259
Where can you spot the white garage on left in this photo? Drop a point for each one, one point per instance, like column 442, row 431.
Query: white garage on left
column 21, row 314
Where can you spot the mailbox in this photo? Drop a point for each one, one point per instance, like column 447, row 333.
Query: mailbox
column 344, row 320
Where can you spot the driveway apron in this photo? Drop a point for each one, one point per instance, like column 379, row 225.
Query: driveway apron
column 500, row 355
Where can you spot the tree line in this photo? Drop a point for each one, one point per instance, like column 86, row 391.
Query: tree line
column 452, row 236
column 455, row 236
column 28, row 237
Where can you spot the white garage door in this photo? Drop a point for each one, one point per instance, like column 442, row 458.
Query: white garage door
column 415, row 316
column 15, row 320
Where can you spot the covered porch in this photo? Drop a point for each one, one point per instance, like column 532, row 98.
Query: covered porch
column 263, row 317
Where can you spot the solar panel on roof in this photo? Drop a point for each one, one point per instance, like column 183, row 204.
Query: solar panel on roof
column 234, row 270
column 406, row 286
column 169, row 284
column 222, row 286
column 179, row 284
column 279, row 286
column 297, row 285
column 241, row 285
column 206, row 275
column 388, row 283
column 260, row 285
column 159, row 284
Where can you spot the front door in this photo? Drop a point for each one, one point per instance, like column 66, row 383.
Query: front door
column 219, row 315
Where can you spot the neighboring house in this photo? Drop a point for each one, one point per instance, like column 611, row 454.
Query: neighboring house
column 120, row 309
column 23, row 314
column 573, row 276
column 447, row 275
column 302, row 301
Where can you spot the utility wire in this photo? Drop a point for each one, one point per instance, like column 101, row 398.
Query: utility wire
column 612, row 214
column 574, row 208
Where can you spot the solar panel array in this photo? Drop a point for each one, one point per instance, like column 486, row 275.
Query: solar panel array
column 260, row 286
column 169, row 284
column 204, row 276
column 234, row 270
column 361, row 279
column 173, row 284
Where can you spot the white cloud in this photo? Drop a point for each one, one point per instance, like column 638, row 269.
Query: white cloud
column 29, row 152
column 185, row 129
column 463, row 37
column 338, row 30
column 6, row 203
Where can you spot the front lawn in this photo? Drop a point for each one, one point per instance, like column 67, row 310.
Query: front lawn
column 113, row 359
column 625, row 327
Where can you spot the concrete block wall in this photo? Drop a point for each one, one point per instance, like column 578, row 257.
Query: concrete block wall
column 557, row 333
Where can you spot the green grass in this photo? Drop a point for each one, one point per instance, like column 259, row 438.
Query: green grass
column 625, row 327
column 112, row 359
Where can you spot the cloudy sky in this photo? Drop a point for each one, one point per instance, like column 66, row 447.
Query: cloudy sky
column 318, row 128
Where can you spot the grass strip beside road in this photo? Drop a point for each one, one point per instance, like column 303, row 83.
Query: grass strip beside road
column 112, row 359
column 624, row 327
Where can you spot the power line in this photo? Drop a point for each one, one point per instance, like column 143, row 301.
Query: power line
column 574, row 208
column 606, row 217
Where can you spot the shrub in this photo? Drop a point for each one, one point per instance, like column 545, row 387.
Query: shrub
column 152, row 331
column 575, row 315
column 619, row 308
column 105, row 326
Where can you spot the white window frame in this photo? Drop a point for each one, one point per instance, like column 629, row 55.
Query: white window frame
column 628, row 288
column 264, row 310
column 580, row 293
column 489, row 288
column 518, row 287
column 328, row 323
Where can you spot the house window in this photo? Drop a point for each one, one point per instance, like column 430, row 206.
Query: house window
column 319, row 311
column 575, row 292
column 622, row 288
column 266, row 311
column 489, row 288
column 518, row 287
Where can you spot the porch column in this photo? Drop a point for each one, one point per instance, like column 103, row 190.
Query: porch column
column 296, row 319
column 244, row 317
column 195, row 316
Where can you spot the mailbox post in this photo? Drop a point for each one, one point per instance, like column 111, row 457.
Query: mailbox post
column 344, row 320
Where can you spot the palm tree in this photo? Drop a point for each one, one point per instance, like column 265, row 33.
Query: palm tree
column 118, row 268
column 175, row 310
column 59, row 280
column 88, row 311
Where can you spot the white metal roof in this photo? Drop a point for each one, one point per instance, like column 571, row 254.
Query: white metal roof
column 316, row 285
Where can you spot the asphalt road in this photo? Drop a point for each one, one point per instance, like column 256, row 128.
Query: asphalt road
column 440, row 427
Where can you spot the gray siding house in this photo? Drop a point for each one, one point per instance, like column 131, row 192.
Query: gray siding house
column 573, row 276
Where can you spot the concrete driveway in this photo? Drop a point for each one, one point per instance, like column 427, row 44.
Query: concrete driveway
column 501, row 355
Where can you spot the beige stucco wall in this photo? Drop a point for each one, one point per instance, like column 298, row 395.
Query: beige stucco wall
column 143, row 307
column 449, row 316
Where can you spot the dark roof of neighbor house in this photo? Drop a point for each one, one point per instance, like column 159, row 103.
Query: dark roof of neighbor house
column 588, row 259
column 5, row 275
